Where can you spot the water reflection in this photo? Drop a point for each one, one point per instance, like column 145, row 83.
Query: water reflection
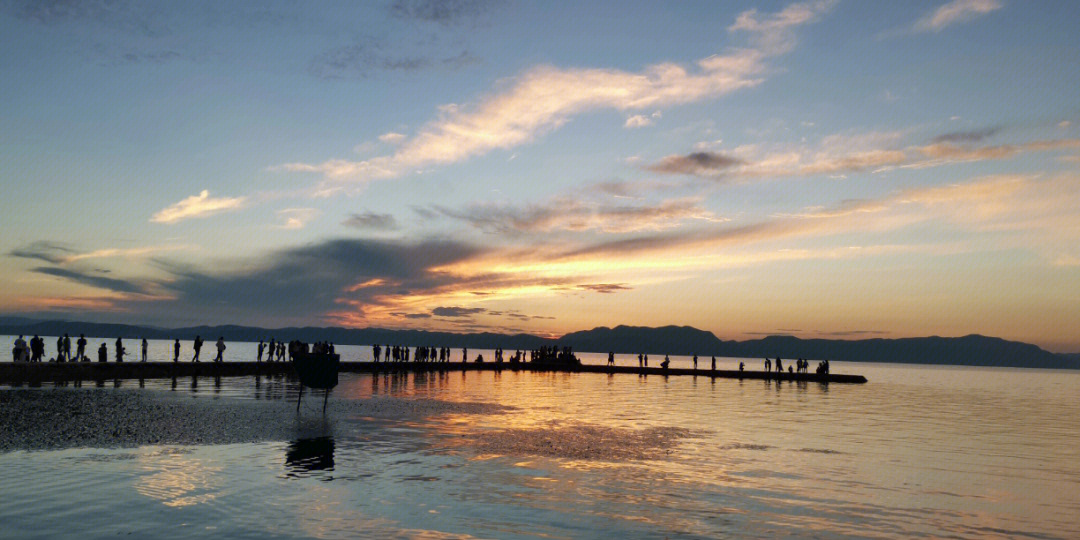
column 310, row 457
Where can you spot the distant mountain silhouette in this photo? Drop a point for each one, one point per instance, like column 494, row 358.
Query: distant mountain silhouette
column 973, row 350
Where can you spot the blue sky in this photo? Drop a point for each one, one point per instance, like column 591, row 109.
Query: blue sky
column 824, row 169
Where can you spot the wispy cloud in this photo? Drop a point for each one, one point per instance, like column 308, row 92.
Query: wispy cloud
column 444, row 12
column 456, row 311
column 954, row 12
column 58, row 253
column 696, row 163
column 196, row 206
column 837, row 155
column 573, row 214
column 371, row 220
column 297, row 218
column 544, row 98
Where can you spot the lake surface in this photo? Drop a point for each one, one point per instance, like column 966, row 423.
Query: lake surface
column 928, row 451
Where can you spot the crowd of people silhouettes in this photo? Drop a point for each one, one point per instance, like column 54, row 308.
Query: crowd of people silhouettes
column 275, row 350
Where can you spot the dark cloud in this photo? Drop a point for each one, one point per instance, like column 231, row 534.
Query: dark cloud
column 444, row 12
column 605, row 288
column 454, row 311
column 697, row 164
column 416, row 315
column 50, row 252
column 112, row 284
column 307, row 282
column 371, row 220
column 973, row 136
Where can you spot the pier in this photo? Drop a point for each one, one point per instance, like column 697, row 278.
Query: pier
column 34, row 373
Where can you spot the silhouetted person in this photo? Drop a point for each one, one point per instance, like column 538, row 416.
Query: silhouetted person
column 80, row 348
column 271, row 350
column 37, row 348
column 779, row 366
column 103, row 353
column 18, row 352
column 198, row 347
column 646, row 360
column 464, row 355
column 640, row 360
column 67, row 347
column 258, row 355
column 695, row 362
column 664, row 365
column 143, row 349
column 768, row 365
column 611, row 358
column 60, row 349
column 714, row 363
column 119, row 350
column 176, row 350
column 741, row 366
column 220, row 349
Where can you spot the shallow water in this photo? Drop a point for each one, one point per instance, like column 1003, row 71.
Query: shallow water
column 962, row 452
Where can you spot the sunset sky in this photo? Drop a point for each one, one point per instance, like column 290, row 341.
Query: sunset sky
column 836, row 169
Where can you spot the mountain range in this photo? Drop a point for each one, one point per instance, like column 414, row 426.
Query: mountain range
column 972, row 350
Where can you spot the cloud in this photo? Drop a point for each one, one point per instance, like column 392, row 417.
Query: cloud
column 371, row 220
column 392, row 137
column 841, row 154
column 297, row 218
column 456, row 311
column 973, row 136
column 544, row 98
column 953, row 12
column 100, row 282
column 444, row 12
column 58, row 253
column 696, row 163
column 573, row 214
column 196, row 206
column 774, row 33
column 637, row 121
column 605, row 288
column 43, row 250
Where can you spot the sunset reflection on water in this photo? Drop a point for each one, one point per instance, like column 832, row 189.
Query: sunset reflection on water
column 483, row 454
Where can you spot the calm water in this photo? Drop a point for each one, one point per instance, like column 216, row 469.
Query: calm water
column 929, row 451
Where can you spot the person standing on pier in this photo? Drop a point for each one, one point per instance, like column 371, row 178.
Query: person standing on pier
column 80, row 348
column 779, row 367
column 695, row 362
column 768, row 365
column 611, row 358
column 67, row 347
column 258, row 355
column 271, row 349
column 220, row 349
column 60, row 349
column 176, row 350
column 714, row 363
column 198, row 347
column 37, row 348
column 143, row 350
column 464, row 355
column 119, row 350
column 103, row 353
